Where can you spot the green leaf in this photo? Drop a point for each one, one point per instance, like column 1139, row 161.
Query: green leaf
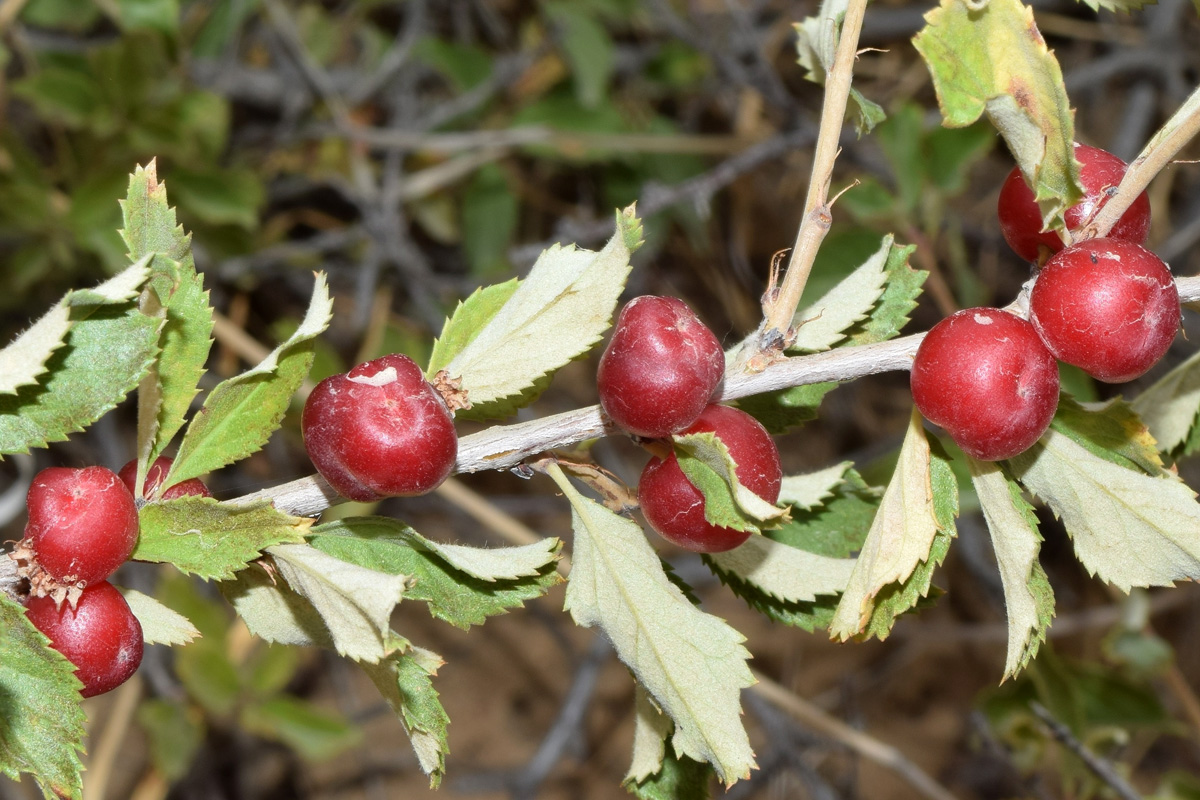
column 242, row 412
column 150, row 227
column 75, row 393
column 557, row 313
column 160, row 625
column 1028, row 598
column 993, row 59
column 588, row 49
column 1170, row 406
column 490, row 211
column 1110, row 430
column 174, row 733
column 816, row 44
column 152, row 15
column 213, row 540
column 707, row 464
column 220, row 196
column 321, row 600
column 462, row 585
column 693, row 664
column 908, row 538
column 680, row 778
column 316, row 734
column 41, row 722
column 824, row 323
column 1126, row 6
column 1129, row 528
column 405, row 681
column 61, row 94
column 467, row 321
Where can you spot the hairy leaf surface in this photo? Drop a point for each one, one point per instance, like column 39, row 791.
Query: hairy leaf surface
column 405, row 679
column 160, row 625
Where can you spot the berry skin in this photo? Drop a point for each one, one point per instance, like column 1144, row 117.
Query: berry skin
column 379, row 431
column 83, row 523
column 675, row 508
column 660, row 369
column 1107, row 306
column 192, row 487
column 985, row 376
column 100, row 636
column 1100, row 172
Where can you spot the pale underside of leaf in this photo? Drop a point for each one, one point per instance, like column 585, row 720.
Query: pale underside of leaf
column 822, row 325
column 650, row 732
column 692, row 663
column 786, row 573
column 744, row 510
column 121, row 287
column 1170, row 406
column 812, row 489
column 25, row 359
column 557, row 313
column 355, row 603
column 509, row 563
column 816, row 46
column 316, row 320
column 900, row 537
column 160, row 625
column 1028, row 600
column 1128, row 528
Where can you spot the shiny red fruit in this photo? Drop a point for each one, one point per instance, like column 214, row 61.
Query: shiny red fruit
column 1107, row 306
column 660, row 369
column 380, row 430
column 83, row 523
column 1100, row 172
column 675, row 507
column 192, row 487
column 985, row 376
column 100, row 635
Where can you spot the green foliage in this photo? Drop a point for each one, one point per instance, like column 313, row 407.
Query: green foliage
column 405, row 681
column 467, row 321
column 680, row 778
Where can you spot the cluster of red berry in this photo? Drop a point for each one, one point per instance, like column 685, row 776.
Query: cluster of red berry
column 656, row 378
column 1108, row 306
column 83, row 525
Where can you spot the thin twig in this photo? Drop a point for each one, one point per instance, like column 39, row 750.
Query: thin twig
column 864, row 744
column 780, row 306
column 1099, row 767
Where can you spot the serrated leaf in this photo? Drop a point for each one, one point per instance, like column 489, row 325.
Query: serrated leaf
column 41, row 722
column 75, row 393
column 354, row 603
column 1111, row 430
column 212, row 540
column 404, row 680
column 1170, row 406
column 123, row 286
column 160, row 625
column 680, row 778
column 1128, row 528
column 272, row 610
column 650, row 731
column 1028, row 598
column 22, row 361
column 469, row 318
column 242, row 412
column 993, row 59
column 693, row 664
column 559, row 311
column 816, row 46
column 907, row 539
column 810, row 490
column 707, row 464
column 824, row 323
column 460, row 597
column 785, row 573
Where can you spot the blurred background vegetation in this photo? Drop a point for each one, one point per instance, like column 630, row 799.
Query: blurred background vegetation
column 415, row 150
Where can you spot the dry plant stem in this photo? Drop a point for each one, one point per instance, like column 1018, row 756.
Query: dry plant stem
column 865, row 745
column 505, row 446
column 112, row 739
column 1180, row 129
column 780, row 306
column 1099, row 767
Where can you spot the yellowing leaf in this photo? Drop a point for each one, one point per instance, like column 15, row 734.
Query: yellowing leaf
column 557, row 313
column 1129, row 528
column 1028, row 598
column 900, row 538
column 693, row 664
column 993, row 59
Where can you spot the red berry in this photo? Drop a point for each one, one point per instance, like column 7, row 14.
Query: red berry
column 192, row 487
column 83, row 523
column 660, row 369
column 380, row 431
column 675, row 507
column 985, row 376
column 1100, row 173
column 1107, row 306
column 100, row 635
